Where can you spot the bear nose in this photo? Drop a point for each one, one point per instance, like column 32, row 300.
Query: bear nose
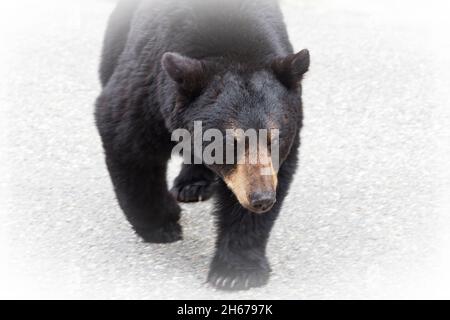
column 262, row 201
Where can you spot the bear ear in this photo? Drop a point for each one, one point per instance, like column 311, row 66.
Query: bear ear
column 290, row 69
column 188, row 73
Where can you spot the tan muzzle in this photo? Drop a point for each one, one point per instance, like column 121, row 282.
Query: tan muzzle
column 254, row 185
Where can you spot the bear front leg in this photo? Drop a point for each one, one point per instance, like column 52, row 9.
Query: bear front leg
column 194, row 183
column 142, row 193
column 240, row 260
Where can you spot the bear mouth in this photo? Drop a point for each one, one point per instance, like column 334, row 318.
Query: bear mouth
column 260, row 208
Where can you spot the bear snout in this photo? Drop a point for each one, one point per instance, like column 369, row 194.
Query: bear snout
column 254, row 191
column 261, row 202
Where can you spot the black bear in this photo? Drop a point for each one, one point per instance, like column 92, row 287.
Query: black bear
column 229, row 64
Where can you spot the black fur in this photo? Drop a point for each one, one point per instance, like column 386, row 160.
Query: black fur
column 166, row 65
column 194, row 183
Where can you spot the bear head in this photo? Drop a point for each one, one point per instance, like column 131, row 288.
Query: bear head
column 228, row 96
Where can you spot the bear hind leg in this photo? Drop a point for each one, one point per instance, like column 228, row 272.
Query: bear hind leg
column 194, row 183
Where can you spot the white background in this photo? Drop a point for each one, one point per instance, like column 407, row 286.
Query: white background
column 368, row 213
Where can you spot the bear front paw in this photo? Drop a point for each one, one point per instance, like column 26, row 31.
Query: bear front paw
column 194, row 191
column 232, row 278
column 170, row 232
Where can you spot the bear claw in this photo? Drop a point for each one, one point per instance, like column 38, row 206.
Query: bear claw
column 233, row 280
column 192, row 192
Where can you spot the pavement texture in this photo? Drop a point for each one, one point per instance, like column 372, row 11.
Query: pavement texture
column 367, row 215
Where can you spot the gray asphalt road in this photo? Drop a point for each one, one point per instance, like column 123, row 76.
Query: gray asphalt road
column 367, row 216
